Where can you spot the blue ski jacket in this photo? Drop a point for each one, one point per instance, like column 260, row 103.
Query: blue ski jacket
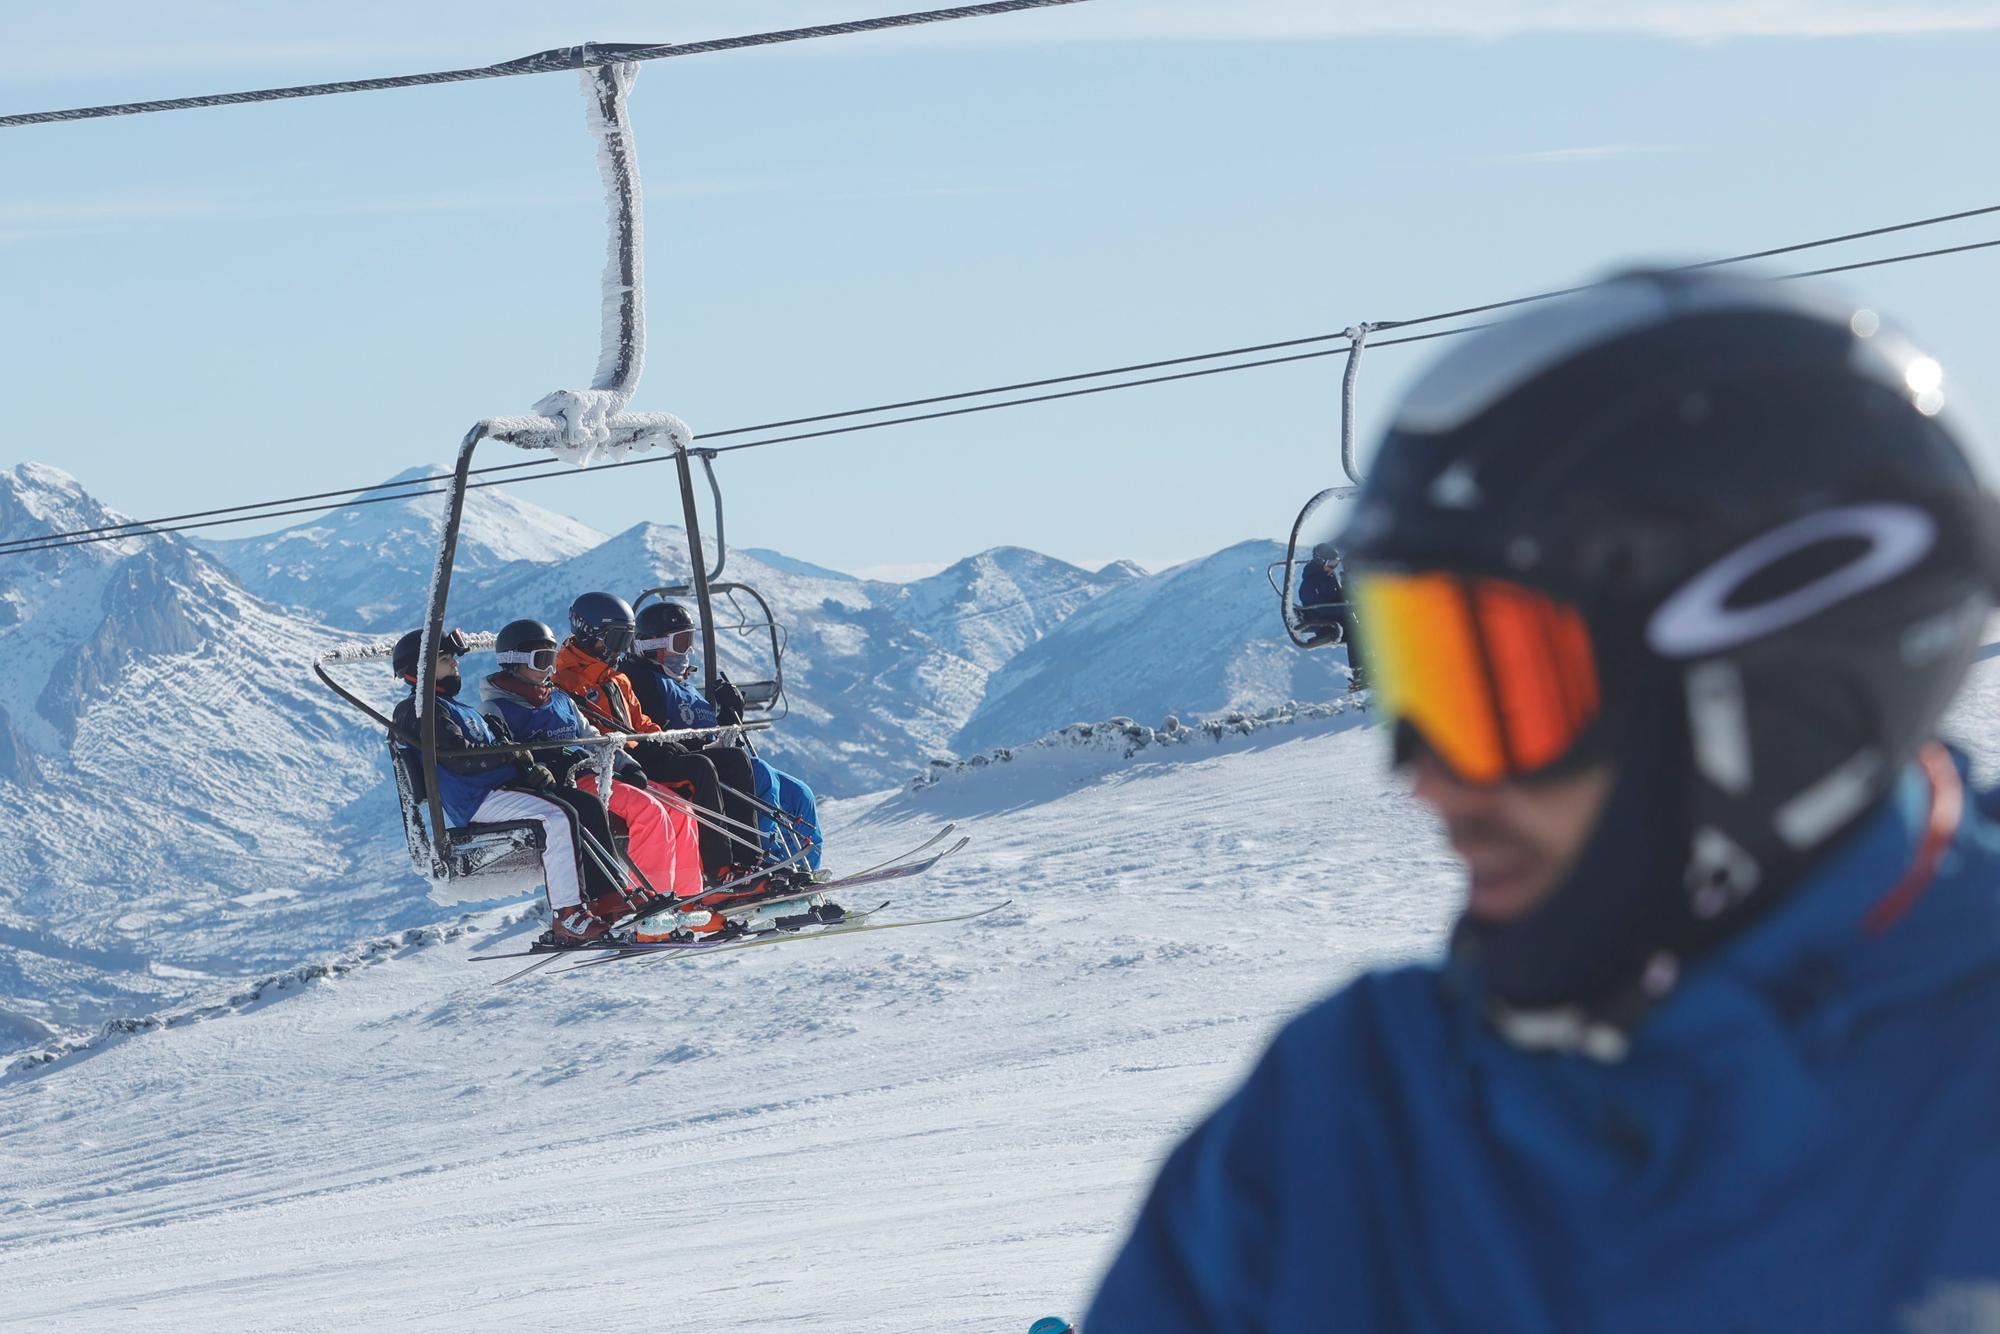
column 667, row 700
column 556, row 720
column 1804, row 1136
column 463, row 780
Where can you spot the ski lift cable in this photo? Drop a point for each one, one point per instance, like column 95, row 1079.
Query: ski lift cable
column 1731, row 259
column 261, row 510
column 359, row 491
column 585, row 56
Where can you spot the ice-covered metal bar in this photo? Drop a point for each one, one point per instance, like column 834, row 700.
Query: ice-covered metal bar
column 587, row 414
column 1357, row 339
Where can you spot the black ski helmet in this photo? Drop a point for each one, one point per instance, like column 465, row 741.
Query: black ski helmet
column 406, row 660
column 601, row 624
column 1784, row 560
column 658, row 622
column 523, row 634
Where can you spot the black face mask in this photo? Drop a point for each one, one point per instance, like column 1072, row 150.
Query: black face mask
column 447, row 686
column 1621, row 901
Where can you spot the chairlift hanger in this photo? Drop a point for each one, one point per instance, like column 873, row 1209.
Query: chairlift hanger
column 1290, row 612
column 581, row 425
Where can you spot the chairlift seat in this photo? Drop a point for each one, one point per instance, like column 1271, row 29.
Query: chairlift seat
column 758, row 694
column 471, row 849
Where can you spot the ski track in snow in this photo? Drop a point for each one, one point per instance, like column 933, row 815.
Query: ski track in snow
column 942, row 1129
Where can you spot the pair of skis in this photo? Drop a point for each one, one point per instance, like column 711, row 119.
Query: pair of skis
column 852, row 924
column 914, row 861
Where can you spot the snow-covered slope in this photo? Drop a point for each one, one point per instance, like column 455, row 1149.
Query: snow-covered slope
column 369, row 566
column 928, row 1131
column 1199, row 638
column 933, row 1130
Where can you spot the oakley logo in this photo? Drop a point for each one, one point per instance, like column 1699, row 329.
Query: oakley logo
column 1699, row 618
column 1456, row 488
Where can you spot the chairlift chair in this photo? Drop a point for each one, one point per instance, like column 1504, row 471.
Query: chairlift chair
column 1322, row 626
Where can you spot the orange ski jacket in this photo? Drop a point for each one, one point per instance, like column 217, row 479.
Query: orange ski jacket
column 601, row 686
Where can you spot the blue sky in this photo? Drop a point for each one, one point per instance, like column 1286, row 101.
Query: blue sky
column 216, row 306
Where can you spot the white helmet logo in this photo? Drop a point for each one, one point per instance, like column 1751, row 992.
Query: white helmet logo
column 1698, row 619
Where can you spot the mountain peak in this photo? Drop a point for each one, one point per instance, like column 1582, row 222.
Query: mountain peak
column 368, row 564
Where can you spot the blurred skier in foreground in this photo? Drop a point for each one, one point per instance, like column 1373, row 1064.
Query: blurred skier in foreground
column 1666, row 587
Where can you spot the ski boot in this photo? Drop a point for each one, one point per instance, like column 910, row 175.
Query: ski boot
column 681, row 925
column 574, row 927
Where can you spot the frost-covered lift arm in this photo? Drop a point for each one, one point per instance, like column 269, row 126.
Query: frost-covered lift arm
column 581, row 425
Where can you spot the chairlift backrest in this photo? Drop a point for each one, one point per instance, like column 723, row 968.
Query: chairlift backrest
column 765, row 694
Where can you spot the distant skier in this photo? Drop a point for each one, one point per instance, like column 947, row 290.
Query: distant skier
column 660, row 831
column 512, row 785
column 717, row 779
column 659, row 667
column 1324, row 614
column 1670, row 583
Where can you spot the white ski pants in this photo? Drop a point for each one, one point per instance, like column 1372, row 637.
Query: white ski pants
column 559, row 871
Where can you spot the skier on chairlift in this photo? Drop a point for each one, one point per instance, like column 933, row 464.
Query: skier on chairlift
column 660, row 829
column 1323, row 610
column 659, row 666
column 601, row 629
column 513, row 785
column 1323, row 597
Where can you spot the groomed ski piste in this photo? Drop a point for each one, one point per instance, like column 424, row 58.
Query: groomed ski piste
column 934, row 1130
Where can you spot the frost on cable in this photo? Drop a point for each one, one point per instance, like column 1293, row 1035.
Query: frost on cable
column 586, row 415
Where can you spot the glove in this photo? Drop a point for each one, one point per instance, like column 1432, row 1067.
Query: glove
column 537, row 776
column 627, row 770
column 728, row 702
column 666, row 747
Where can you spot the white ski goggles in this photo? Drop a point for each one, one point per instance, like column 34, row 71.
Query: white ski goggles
column 680, row 641
column 541, row 659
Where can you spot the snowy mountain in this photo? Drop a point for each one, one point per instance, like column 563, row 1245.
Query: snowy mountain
column 1200, row 638
column 178, row 791
column 778, row 560
column 368, row 565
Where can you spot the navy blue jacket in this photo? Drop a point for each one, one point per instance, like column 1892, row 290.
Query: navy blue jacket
column 667, row 700
column 558, row 720
column 463, row 780
column 1805, row 1136
column 1319, row 593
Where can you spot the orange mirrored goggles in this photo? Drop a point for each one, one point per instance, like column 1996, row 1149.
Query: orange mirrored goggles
column 1498, row 679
